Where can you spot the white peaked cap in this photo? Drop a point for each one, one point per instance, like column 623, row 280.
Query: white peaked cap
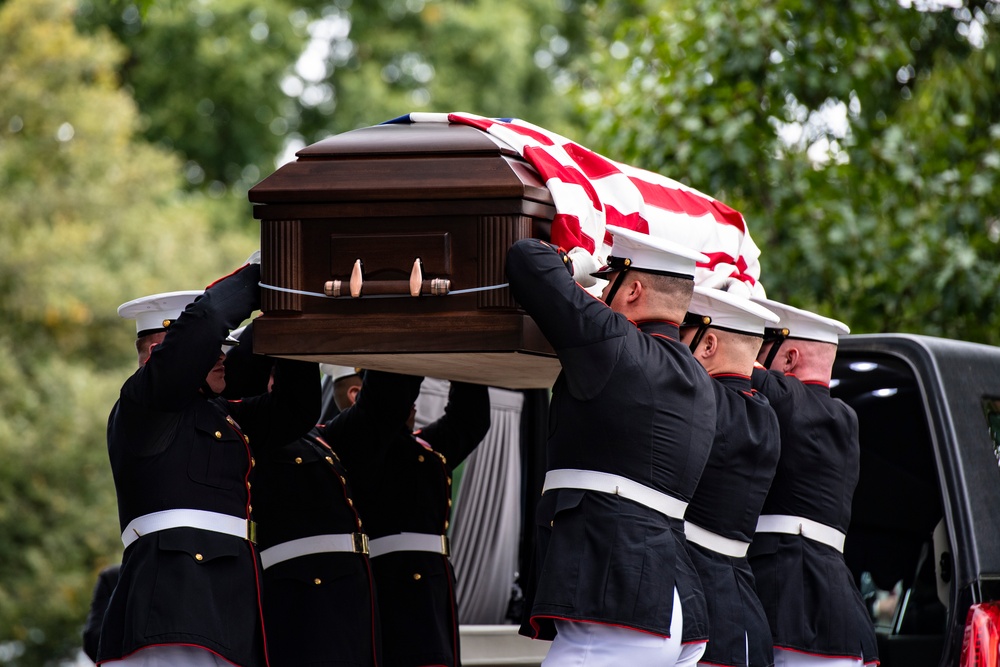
column 804, row 324
column 155, row 312
column 731, row 311
column 652, row 253
column 337, row 372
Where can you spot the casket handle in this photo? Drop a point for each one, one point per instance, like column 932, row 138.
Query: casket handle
column 415, row 286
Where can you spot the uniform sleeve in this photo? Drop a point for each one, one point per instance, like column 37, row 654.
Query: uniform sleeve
column 366, row 429
column 464, row 424
column 288, row 411
column 587, row 336
column 178, row 366
column 568, row 315
column 772, row 384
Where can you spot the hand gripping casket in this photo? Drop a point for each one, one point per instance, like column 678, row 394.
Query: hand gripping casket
column 384, row 248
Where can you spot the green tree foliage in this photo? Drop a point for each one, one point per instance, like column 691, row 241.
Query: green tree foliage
column 222, row 81
column 207, row 78
column 861, row 141
column 489, row 57
column 92, row 217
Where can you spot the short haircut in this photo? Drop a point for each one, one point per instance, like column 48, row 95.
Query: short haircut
column 143, row 343
column 670, row 292
column 743, row 345
column 341, row 386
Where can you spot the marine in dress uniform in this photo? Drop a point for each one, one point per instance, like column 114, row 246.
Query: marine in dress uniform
column 725, row 332
column 631, row 424
column 188, row 592
column 402, row 485
column 318, row 591
column 813, row 606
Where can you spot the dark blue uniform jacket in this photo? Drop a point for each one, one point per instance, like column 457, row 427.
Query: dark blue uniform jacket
column 173, row 447
column 632, row 401
column 812, row 603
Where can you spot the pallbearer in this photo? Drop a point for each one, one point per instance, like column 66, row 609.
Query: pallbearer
column 402, row 483
column 724, row 332
column 182, row 456
column 814, row 608
column 631, row 425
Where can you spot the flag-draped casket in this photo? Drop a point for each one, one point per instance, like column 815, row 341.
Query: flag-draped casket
column 444, row 196
column 384, row 247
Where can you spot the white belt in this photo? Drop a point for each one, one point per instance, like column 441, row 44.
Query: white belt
column 213, row 521
column 797, row 525
column 437, row 544
column 591, row 480
column 723, row 545
column 317, row 544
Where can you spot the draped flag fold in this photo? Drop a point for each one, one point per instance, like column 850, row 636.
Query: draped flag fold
column 590, row 191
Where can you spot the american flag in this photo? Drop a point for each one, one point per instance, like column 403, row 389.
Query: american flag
column 590, row 191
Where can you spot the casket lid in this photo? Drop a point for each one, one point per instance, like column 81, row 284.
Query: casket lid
column 393, row 163
column 407, row 139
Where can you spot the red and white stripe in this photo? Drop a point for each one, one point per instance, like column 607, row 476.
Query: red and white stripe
column 590, row 191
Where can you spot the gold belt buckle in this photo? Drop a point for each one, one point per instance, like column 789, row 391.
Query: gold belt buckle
column 360, row 543
column 252, row 532
column 445, row 545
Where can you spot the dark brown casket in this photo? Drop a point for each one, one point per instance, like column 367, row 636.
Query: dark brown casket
column 426, row 208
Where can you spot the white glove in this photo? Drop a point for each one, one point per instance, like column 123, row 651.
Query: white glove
column 254, row 258
column 583, row 265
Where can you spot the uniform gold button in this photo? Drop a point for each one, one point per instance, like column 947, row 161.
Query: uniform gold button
column 199, row 557
column 253, row 462
column 317, row 581
column 449, row 481
column 298, row 459
column 551, row 523
column 421, row 458
column 443, row 459
column 350, row 502
column 218, row 435
column 446, row 525
column 250, row 508
column 343, row 480
column 416, row 576
column 248, row 485
column 246, row 439
column 329, row 460
column 449, row 502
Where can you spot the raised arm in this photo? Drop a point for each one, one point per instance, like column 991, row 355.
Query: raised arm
column 464, row 424
column 380, row 412
column 177, row 367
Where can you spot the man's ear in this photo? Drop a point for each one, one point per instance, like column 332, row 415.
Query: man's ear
column 352, row 393
column 709, row 345
column 790, row 358
column 634, row 291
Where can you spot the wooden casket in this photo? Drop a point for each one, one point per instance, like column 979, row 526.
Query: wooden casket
column 373, row 242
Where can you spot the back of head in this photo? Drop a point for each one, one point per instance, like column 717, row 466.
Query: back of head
column 813, row 336
column 153, row 315
column 664, row 268
column 737, row 323
column 669, row 292
column 344, row 378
